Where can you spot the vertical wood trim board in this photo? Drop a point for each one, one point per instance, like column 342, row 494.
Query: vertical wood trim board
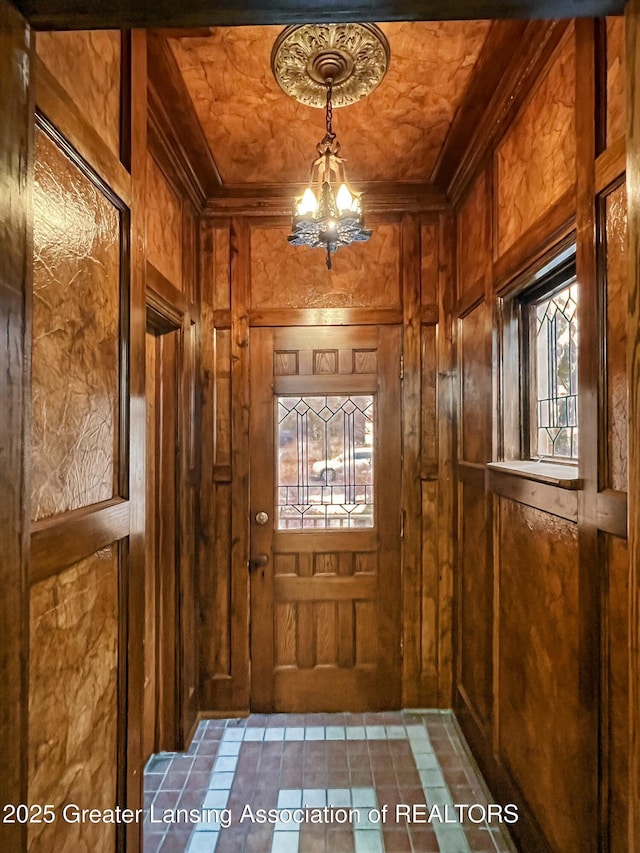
column 590, row 372
column 411, row 489
column 16, row 180
column 632, row 21
column 240, row 295
column 137, row 438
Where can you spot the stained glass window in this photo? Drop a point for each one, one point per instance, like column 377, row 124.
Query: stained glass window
column 556, row 373
column 325, row 462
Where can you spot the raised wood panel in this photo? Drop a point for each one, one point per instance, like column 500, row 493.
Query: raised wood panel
column 16, row 187
column 429, row 395
column 616, row 81
column 87, row 64
column 475, row 600
column 163, row 218
column 73, row 706
column 433, row 618
column 221, row 266
column 474, row 230
column 429, row 264
column 617, row 689
column 222, row 401
column 476, row 384
column 543, row 726
column 535, row 162
column 284, row 276
column 616, row 330
column 215, row 596
column 76, row 327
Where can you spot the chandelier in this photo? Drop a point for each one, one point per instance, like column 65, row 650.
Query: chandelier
column 320, row 65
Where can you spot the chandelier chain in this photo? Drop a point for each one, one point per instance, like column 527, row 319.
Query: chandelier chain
column 329, row 114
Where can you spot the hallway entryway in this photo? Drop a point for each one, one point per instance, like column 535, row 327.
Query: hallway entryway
column 336, row 783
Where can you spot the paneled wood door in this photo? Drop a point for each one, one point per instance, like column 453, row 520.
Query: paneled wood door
column 325, row 518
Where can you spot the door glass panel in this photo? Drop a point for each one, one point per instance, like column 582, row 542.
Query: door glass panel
column 325, row 461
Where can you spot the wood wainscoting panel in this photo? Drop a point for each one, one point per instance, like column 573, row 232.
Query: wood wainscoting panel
column 536, row 159
column 475, row 597
column 544, row 731
column 163, row 217
column 616, row 81
column 87, row 64
column 364, row 276
column 222, row 386
column 430, row 263
column 475, row 348
column 73, row 708
column 474, row 245
column 616, row 711
column 76, row 337
column 615, row 226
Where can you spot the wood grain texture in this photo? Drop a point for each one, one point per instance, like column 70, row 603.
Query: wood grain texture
column 69, row 13
column 474, row 228
column 221, row 266
column 73, row 700
column 227, row 77
column 363, row 275
column 76, row 337
column 133, row 594
column 475, row 603
column 60, row 542
column 475, row 433
column 447, row 381
column 632, row 29
column 411, row 450
column 542, row 723
column 87, row 66
column 163, row 222
column 16, row 186
column 616, row 81
column 536, row 160
column 617, row 266
column 617, row 690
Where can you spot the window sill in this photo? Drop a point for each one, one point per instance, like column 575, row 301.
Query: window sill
column 552, row 473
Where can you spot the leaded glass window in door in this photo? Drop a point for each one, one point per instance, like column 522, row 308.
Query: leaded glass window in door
column 325, row 462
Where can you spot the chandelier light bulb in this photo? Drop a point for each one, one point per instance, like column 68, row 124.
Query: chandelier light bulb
column 344, row 199
column 308, row 203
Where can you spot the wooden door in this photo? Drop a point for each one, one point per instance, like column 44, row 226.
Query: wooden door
column 325, row 520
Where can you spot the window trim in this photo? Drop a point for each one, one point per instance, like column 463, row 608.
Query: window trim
column 551, row 273
column 549, row 286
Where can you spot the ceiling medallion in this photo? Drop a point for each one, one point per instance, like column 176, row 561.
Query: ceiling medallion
column 354, row 56
column 329, row 65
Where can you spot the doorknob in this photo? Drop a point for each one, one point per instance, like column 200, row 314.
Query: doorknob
column 258, row 562
column 262, row 517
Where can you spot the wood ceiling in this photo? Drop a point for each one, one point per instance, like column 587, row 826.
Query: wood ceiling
column 259, row 135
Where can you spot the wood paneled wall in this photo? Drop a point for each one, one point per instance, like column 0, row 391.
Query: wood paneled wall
column 16, row 183
column 541, row 682
column 251, row 277
column 91, row 290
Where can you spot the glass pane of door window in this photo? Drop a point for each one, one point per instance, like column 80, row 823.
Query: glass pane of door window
column 325, row 462
column 556, row 378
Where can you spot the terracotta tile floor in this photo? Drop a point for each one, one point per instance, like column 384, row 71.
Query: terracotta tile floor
column 337, row 783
